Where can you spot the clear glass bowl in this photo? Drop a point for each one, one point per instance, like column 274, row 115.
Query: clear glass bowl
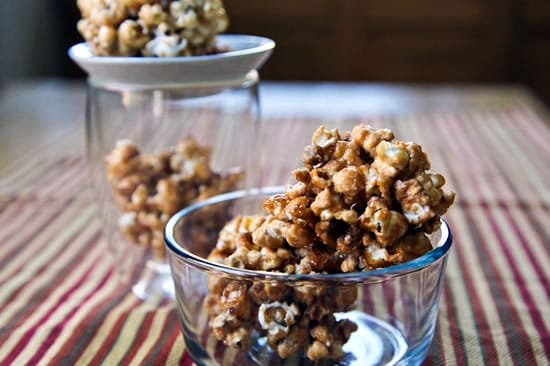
column 218, row 115
column 395, row 308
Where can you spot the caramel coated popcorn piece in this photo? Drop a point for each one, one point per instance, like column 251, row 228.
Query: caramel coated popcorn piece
column 229, row 328
column 409, row 247
column 271, row 233
column 369, row 138
column 361, row 201
column 234, row 233
column 350, row 181
column 277, row 318
column 422, row 198
column 132, row 36
column 152, row 27
column 386, row 224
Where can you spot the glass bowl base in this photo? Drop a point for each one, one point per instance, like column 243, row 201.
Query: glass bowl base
column 375, row 342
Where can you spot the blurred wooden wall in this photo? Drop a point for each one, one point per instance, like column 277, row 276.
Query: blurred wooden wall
column 372, row 40
column 402, row 40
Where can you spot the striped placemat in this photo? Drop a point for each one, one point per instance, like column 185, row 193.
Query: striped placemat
column 60, row 303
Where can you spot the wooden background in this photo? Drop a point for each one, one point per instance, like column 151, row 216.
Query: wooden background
column 429, row 41
column 403, row 40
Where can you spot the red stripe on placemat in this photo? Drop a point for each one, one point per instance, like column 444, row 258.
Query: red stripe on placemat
column 527, row 249
column 507, row 315
column 525, row 119
column 33, row 172
column 534, row 311
column 29, row 333
column 67, row 179
column 72, row 349
column 519, row 152
column 533, row 257
column 428, row 361
column 479, row 319
column 489, row 351
column 457, row 340
column 436, row 349
column 41, row 351
column 463, row 138
column 47, row 175
column 138, row 340
column 39, row 206
column 483, row 330
column 28, row 231
column 186, row 360
column 171, row 332
column 408, row 131
column 525, row 130
column 61, row 249
column 28, row 310
column 17, row 207
column 164, row 352
column 113, row 335
column 535, row 226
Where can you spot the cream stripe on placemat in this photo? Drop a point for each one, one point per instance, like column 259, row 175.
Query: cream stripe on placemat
column 127, row 333
column 152, row 337
column 29, row 237
column 455, row 280
column 73, row 324
column 54, row 301
column 176, row 353
column 477, row 182
column 444, row 331
column 461, row 305
column 48, row 243
column 62, row 311
column 500, row 334
column 104, row 330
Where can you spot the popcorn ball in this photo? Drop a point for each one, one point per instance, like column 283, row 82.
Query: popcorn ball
column 361, row 201
column 149, row 188
column 161, row 28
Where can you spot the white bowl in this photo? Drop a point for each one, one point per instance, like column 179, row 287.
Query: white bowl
column 246, row 53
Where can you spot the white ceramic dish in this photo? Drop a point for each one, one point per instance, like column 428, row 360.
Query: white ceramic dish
column 246, row 53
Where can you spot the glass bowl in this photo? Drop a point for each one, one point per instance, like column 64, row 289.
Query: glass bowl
column 393, row 310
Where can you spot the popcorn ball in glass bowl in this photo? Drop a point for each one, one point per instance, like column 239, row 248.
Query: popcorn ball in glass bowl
column 342, row 266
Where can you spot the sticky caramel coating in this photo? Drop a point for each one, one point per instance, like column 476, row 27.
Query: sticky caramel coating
column 361, row 201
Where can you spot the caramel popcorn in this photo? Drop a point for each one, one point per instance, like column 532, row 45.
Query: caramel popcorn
column 161, row 28
column 362, row 201
column 150, row 188
column 292, row 318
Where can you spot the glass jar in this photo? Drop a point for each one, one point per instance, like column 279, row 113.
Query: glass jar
column 156, row 148
column 163, row 133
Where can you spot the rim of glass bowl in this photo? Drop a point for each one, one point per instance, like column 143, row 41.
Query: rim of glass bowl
column 376, row 275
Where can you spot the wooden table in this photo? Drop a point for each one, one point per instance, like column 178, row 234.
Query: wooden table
column 60, row 303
